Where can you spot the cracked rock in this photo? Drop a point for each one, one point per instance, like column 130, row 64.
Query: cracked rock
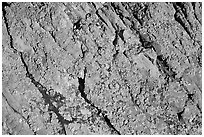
column 92, row 68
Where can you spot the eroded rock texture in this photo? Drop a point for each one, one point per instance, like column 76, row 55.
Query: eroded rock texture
column 93, row 68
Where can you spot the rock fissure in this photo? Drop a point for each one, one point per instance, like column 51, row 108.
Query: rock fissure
column 81, row 88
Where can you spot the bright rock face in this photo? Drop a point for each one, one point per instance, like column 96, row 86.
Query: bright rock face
column 101, row 68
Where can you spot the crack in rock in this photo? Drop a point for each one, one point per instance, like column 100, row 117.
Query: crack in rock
column 81, row 88
column 61, row 38
column 42, row 89
column 180, row 18
column 47, row 98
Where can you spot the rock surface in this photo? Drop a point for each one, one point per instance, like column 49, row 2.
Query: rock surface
column 102, row 68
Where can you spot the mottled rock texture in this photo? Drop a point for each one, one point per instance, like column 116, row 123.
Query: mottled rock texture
column 101, row 68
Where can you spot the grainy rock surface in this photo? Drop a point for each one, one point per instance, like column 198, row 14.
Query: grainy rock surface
column 101, row 68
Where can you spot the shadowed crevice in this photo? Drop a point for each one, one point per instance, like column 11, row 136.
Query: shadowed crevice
column 81, row 88
column 48, row 99
column 42, row 89
column 181, row 19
